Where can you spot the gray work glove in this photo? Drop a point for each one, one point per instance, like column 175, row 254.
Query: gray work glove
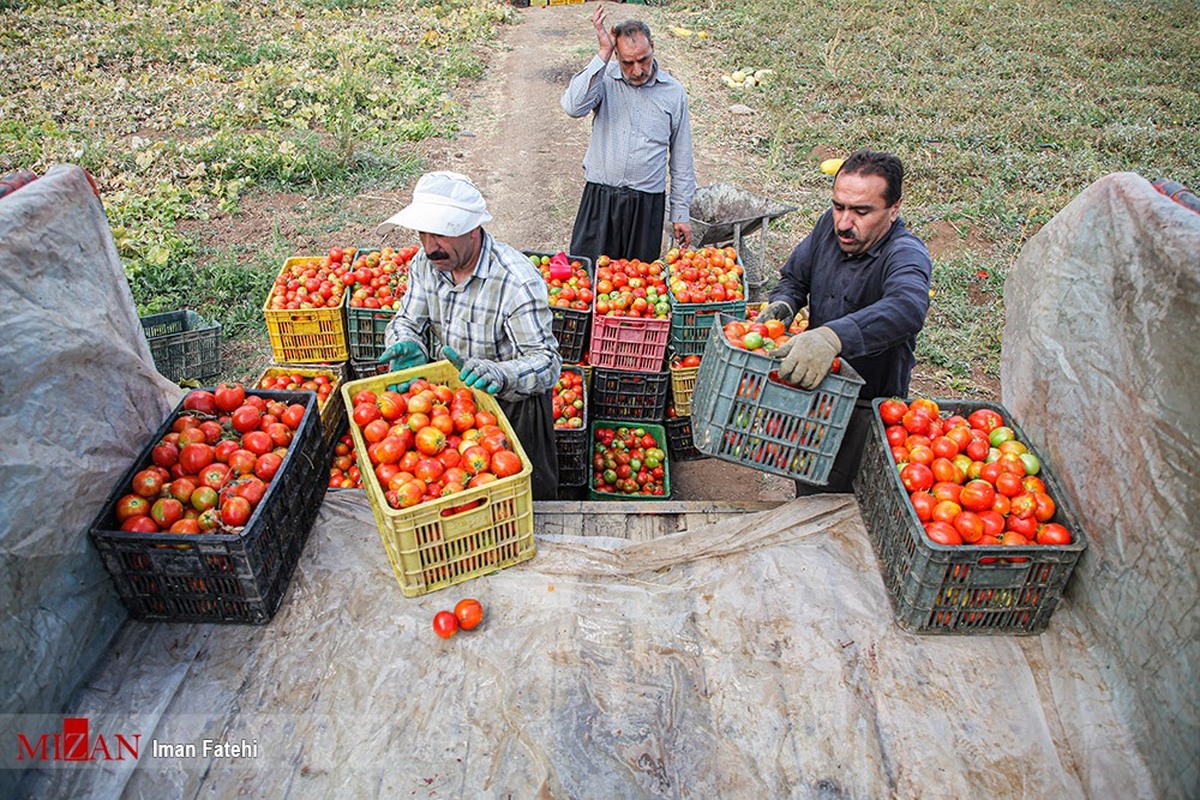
column 478, row 373
column 808, row 357
column 403, row 355
column 778, row 310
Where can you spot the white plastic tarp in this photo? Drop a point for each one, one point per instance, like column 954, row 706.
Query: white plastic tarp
column 1102, row 365
column 78, row 398
column 756, row 658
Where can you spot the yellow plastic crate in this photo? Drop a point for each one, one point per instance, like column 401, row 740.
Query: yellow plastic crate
column 564, row 2
column 333, row 408
column 444, row 542
column 683, row 381
column 306, row 336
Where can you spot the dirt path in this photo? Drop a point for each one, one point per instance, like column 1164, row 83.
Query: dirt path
column 526, row 154
column 520, row 148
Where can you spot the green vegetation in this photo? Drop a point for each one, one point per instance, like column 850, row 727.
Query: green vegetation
column 179, row 109
column 1003, row 111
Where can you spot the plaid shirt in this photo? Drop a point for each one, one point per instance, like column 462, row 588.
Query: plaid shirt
column 500, row 313
column 634, row 132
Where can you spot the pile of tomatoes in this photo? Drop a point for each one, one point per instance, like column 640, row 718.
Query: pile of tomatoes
column 631, row 288
column 568, row 400
column 209, row 473
column 378, row 278
column 970, row 480
column 311, row 282
column 757, row 337
column 344, row 472
column 708, row 275
column 799, row 321
column 574, row 291
column 628, row 460
column 321, row 382
column 430, row 441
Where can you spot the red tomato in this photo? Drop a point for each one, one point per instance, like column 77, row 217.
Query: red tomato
column 195, row 457
column 977, row 495
column 943, row 533
column 245, row 418
column 1053, row 533
column 132, row 505
column 469, row 613
column 142, row 523
column 985, row 419
column 267, row 465
column 916, row 477
column 202, row 401
column 166, row 511
column 505, row 463
column 293, row 416
column 892, row 411
column 445, row 624
column 148, row 483
column 235, row 511
column 229, row 396
column 923, row 503
column 250, row 487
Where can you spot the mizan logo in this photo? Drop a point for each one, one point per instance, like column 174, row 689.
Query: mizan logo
column 75, row 743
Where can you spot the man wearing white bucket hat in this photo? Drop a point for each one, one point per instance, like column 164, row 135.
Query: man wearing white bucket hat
column 487, row 309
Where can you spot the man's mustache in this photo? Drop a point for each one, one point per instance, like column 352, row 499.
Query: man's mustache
column 847, row 234
column 438, row 255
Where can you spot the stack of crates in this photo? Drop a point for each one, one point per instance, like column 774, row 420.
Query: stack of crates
column 630, row 377
column 366, row 326
column 571, row 314
column 691, row 322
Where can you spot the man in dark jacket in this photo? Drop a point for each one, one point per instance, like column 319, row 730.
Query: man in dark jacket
column 865, row 278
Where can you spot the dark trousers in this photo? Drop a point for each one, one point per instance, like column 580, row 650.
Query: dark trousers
column 849, row 455
column 532, row 420
column 618, row 223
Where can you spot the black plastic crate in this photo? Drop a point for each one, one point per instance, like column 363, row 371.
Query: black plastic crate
column 629, row 396
column 572, row 445
column 184, row 345
column 219, row 577
column 365, row 368
column 680, row 446
column 961, row 589
column 571, row 326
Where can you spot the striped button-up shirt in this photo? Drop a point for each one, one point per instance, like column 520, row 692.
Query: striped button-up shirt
column 501, row 313
column 636, row 132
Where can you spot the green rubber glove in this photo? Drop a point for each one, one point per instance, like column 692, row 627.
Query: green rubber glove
column 478, row 373
column 403, row 355
column 452, row 356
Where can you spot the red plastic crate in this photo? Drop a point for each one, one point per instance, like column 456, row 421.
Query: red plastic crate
column 629, row 343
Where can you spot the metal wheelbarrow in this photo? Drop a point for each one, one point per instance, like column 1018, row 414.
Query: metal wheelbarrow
column 722, row 214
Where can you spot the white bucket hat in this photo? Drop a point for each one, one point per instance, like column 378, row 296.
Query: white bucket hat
column 443, row 203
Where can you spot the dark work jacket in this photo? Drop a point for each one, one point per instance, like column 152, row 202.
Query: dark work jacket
column 875, row 302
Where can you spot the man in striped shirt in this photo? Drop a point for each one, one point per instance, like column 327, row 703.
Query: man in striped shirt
column 640, row 127
column 485, row 308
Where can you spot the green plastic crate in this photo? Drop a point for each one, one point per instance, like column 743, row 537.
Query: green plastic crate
column 183, row 344
column 660, row 435
column 743, row 413
column 961, row 589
